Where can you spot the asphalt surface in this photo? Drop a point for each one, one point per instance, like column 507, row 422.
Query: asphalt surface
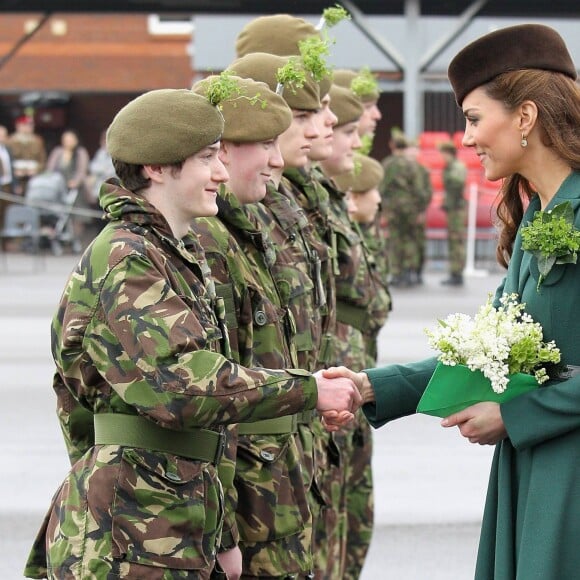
column 429, row 482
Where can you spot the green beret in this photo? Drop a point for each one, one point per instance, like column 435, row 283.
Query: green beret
column 526, row 46
column 344, row 105
column 276, row 34
column 366, row 175
column 364, row 86
column 254, row 113
column 263, row 67
column 163, row 127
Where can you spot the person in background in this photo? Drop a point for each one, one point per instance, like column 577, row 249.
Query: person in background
column 71, row 160
column 420, row 225
column 28, row 152
column 454, row 177
column 6, row 171
column 100, row 169
column 522, row 113
column 144, row 382
column 403, row 207
column 361, row 185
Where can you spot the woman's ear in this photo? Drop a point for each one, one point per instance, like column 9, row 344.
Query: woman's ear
column 528, row 117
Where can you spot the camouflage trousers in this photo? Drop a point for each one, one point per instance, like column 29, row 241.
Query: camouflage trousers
column 405, row 254
column 344, row 527
column 456, row 240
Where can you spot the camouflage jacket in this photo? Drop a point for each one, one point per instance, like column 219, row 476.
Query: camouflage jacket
column 305, row 189
column 454, row 176
column 402, row 188
column 137, row 333
column 381, row 302
column 355, row 285
column 268, row 498
column 298, row 268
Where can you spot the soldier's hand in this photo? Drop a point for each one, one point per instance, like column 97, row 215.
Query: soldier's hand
column 337, row 394
column 361, row 380
column 231, row 562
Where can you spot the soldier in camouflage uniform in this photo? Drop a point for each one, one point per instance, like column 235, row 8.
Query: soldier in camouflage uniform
column 143, row 386
column 420, row 233
column 402, row 205
column 270, row 503
column 361, row 185
column 454, row 176
column 355, row 289
column 299, row 258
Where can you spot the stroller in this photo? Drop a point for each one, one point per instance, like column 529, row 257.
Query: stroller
column 46, row 191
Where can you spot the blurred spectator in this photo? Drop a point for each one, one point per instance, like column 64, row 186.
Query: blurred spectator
column 454, row 176
column 403, row 206
column 6, row 173
column 28, row 153
column 71, row 160
column 420, row 225
column 100, row 169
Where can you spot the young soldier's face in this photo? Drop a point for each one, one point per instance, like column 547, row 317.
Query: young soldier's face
column 369, row 119
column 250, row 167
column 366, row 206
column 194, row 188
column 325, row 120
column 346, row 140
column 296, row 141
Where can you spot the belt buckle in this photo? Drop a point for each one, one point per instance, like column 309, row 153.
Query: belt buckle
column 221, row 447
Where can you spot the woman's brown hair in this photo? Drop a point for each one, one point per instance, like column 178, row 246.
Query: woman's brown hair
column 557, row 98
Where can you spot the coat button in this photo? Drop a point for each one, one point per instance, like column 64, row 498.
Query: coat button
column 173, row 477
column 260, row 317
column 267, row 456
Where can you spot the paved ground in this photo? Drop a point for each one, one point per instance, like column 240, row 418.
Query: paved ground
column 430, row 483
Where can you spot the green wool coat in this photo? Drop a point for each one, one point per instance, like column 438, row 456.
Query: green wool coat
column 531, row 522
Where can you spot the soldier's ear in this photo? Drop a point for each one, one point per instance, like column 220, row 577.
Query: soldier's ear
column 224, row 152
column 154, row 172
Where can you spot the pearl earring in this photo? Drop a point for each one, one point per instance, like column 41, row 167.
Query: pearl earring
column 524, row 141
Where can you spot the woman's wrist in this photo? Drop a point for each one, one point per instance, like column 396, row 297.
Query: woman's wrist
column 366, row 389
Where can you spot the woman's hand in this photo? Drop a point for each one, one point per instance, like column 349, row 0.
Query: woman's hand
column 481, row 423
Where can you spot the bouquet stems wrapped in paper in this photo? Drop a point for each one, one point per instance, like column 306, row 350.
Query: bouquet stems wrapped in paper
column 495, row 356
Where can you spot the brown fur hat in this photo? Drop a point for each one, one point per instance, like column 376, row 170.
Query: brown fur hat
column 525, row 46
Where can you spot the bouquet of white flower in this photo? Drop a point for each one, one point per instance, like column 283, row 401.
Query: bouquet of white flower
column 482, row 356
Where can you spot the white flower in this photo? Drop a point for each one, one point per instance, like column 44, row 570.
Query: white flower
column 496, row 341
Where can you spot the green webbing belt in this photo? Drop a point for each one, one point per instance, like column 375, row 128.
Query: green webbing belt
column 136, row 431
column 354, row 316
column 278, row 426
column 306, row 417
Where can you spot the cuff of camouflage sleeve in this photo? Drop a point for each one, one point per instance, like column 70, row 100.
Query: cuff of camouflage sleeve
column 230, row 539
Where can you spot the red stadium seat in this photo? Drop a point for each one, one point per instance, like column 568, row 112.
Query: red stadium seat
column 430, row 139
column 458, row 139
column 431, row 158
column 469, row 157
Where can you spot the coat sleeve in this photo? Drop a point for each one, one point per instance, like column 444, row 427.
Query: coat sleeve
column 397, row 389
column 543, row 414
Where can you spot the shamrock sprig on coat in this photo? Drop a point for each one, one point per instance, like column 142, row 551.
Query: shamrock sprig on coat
column 552, row 238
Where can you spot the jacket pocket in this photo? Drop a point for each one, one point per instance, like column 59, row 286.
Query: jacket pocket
column 272, row 501
column 166, row 511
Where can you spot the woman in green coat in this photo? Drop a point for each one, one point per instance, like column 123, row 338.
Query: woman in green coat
column 522, row 110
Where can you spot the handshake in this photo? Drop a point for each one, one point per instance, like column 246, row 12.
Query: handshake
column 340, row 393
